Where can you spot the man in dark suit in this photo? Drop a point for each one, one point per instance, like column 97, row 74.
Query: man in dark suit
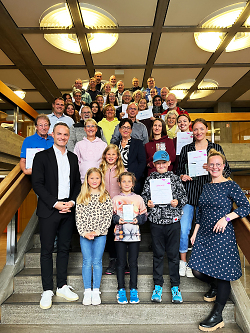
column 56, row 181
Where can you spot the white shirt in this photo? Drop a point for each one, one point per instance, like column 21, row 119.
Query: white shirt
column 54, row 120
column 63, row 173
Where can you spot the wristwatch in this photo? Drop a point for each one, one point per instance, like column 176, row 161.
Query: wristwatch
column 227, row 218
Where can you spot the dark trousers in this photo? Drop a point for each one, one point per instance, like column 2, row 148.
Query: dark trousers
column 133, row 252
column 166, row 237
column 110, row 243
column 61, row 225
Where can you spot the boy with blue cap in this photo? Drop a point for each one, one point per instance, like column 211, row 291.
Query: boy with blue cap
column 165, row 226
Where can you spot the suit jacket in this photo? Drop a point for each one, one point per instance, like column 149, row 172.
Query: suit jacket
column 45, row 180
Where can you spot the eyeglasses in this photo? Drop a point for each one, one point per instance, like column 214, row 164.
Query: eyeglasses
column 217, row 165
column 126, row 128
column 90, row 126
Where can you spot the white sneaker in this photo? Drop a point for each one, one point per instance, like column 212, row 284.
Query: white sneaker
column 182, row 268
column 46, row 299
column 87, row 297
column 66, row 293
column 96, row 299
column 189, row 272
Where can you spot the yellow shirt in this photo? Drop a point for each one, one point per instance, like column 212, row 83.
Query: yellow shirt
column 108, row 128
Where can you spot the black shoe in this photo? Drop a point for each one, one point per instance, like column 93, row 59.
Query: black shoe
column 214, row 320
column 127, row 270
column 112, row 267
column 210, row 296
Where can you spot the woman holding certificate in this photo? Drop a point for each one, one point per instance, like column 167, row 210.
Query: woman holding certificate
column 192, row 169
column 159, row 140
column 215, row 257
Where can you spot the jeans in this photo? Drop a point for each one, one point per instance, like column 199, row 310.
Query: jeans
column 186, row 223
column 92, row 252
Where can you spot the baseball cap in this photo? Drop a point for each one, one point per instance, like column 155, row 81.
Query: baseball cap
column 161, row 155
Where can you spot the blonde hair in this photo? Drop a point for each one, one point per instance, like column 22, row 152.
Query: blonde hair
column 119, row 164
column 84, row 196
column 214, row 152
column 90, row 120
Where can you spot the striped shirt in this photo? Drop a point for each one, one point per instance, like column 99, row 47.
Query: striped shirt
column 194, row 187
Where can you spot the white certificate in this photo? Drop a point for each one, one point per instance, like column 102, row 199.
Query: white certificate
column 128, row 213
column 161, row 192
column 183, row 138
column 145, row 114
column 30, row 154
column 124, row 110
column 196, row 159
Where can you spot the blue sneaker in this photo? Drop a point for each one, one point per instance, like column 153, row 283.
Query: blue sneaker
column 121, row 296
column 134, row 296
column 157, row 294
column 176, row 295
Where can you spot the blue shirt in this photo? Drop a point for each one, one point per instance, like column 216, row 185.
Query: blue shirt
column 36, row 141
column 64, row 119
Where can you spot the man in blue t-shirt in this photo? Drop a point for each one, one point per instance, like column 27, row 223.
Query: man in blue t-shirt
column 40, row 139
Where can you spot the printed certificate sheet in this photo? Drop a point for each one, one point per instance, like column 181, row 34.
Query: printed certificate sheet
column 161, row 193
column 124, row 110
column 146, row 114
column 30, row 153
column 196, row 159
column 183, row 138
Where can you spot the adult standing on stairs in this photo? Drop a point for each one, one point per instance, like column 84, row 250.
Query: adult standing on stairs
column 56, row 180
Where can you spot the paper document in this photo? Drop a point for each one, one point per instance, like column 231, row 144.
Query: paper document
column 128, row 213
column 196, row 159
column 124, row 110
column 30, row 154
column 183, row 138
column 145, row 114
column 161, row 192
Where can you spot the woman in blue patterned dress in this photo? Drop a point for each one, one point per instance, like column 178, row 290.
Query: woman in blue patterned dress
column 215, row 257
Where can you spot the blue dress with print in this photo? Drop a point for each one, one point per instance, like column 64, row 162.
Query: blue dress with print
column 216, row 254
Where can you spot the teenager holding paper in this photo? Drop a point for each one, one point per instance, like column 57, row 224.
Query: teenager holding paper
column 194, row 186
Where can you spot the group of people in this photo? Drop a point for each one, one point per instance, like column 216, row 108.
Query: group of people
column 99, row 175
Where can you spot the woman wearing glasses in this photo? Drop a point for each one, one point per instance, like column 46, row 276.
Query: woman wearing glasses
column 193, row 186
column 89, row 150
column 215, row 257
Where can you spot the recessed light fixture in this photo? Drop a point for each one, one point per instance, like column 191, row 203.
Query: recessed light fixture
column 223, row 18
column 205, row 88
column 58, row 16
column 19, row 92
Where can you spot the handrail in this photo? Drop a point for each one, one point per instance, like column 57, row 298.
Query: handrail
column 225, row 117
column 13, row 190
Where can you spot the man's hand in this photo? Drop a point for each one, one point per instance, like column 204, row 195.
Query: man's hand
column 64, row 207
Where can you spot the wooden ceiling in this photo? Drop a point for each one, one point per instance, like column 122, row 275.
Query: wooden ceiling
column 156, row 37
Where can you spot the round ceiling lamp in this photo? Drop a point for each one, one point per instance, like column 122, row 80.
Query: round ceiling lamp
column 223, row 18
column 19, row 92
column 205, row 88
column 58, row 16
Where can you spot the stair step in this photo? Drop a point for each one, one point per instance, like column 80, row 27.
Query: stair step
column 29, row 281
column 24, row 309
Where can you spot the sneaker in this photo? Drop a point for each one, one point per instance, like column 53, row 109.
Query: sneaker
column 121, row 296
column 46, row 299
column 176, row 295
column 66, row 293
column 127, row 270
column 96, row 299
column 134, row 296
column 87, row 297
column 189, row 272
column 112, row 267
column 157, row 294
column 182, row 268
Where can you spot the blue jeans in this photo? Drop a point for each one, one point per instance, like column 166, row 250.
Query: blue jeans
column 92, row 252
column 186, row 223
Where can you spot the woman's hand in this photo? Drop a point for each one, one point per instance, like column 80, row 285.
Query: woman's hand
column 205, row 166
column 121, row 221
column 122, row 114
column 192, row 239
column 150, row 204
column 220, row 226
column 174, row 203
column 185, row 178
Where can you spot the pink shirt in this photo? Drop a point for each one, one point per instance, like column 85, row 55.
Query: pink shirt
column 111, row 183
column 89, row 154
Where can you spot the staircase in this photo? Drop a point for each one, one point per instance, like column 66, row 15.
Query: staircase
column 21, row 312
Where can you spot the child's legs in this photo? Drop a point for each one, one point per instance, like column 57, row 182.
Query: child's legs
column 97, row 253
column 158, row 246
column 172, row 239
column 186, row 222
column 121, row 250
column 133, row 252
column 86, row 248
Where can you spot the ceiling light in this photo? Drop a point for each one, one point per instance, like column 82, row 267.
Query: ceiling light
column 205, row 88
column 19, row 92
column 223, row 18
column 58, row 16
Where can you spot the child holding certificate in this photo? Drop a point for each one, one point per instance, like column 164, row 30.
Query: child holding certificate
column 165, row 196
column 129, row 212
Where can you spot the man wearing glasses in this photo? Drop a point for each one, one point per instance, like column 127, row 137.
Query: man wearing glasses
column 77, row 131
column 40, row 139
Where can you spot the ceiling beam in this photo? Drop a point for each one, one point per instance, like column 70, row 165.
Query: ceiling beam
column 221, row 48
column 160, row 14
column 77, row 20
column 15, row 46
